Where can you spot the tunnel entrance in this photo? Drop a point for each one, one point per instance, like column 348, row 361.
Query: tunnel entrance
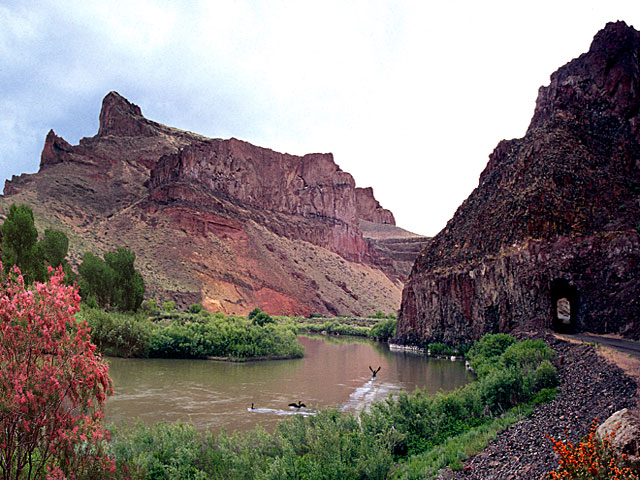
column 564, row 305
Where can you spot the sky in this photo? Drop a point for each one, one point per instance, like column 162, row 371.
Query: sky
column 411, row 97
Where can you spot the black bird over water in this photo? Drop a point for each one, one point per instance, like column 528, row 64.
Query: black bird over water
column 298, row 405
column 374, row 372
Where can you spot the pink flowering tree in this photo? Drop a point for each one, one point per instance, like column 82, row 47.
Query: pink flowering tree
column 52, row 384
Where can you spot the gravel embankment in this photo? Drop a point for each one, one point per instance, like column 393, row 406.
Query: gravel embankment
column 589, row 388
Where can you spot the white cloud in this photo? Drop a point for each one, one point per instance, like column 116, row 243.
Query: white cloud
column 410, row 96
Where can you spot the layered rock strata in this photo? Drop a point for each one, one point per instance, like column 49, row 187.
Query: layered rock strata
column 550, row 237
column 223, row 222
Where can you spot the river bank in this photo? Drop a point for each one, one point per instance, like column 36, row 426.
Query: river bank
column 590, row 388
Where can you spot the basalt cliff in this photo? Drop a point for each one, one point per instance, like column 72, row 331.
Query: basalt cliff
column 550, row 237
column 222, row 222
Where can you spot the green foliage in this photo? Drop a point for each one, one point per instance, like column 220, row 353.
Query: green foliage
column 114, row 282
column 333, row 327
column 441, row 349
column 261, row 319
column 91, row 302
column 546, row 376
column 486, row 352
column 149, row 307
column 455, row 450
column 231, row 337
column 128, row 291
column 254, row 312
column 118, row 334
column 164, row 451
column 189, row 336
column 383, row 331
column 326, row 446
column 96, row 279
column 20, row 246
column 195, row 308
column 19, row 243
column 169, row 306
column 54, row 247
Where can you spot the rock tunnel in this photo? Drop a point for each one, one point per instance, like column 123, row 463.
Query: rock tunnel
column 564, row 305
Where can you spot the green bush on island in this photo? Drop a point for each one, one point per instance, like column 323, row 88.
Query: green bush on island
column 232, row 337
column 260, row 318
column 411, row 436
column 189, row 336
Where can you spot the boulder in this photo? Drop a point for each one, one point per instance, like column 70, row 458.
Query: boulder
column 624, row 427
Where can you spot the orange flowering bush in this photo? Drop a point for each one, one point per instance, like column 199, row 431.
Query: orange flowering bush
column 52, row 384
column 591, row 459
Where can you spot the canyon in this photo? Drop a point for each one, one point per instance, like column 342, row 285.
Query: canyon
column 220, row 221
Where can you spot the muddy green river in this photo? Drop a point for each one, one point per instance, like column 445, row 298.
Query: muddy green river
column 212, row 395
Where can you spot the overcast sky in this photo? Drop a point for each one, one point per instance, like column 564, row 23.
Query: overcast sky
column 411, row 97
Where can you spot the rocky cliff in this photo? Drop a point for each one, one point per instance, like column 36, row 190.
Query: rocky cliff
column 550, row 237
column 219, row 221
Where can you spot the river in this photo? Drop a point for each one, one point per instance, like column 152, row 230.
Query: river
column 212, row 394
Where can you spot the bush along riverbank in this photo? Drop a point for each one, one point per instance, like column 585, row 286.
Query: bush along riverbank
column 190, row 335
column 199, row 334
column 589, row 388
column 397, row 438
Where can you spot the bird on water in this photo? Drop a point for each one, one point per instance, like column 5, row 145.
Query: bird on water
column 297, row 405
column 374, row 372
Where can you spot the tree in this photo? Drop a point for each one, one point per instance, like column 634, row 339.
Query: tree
column 52, row 384
column 54, row 247
column 97, row 279
column 114, row 282
column 129, row 288
column 19, row 243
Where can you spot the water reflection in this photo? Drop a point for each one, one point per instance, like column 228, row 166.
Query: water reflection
column 212, row 395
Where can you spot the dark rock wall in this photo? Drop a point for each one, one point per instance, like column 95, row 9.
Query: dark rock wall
column 562, row 203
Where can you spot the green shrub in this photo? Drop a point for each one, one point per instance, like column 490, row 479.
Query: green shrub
column 91, row 302
column 195, row 308
column 442, row 349
column 526, row 355
column 169, row 306
column 486, row 352
column 383, row 331
column 223, row 337
column 261, row 319
column 546, row 375
column 118, row 334
column 149, row 307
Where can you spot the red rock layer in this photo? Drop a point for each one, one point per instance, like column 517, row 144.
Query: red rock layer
column 219, row 221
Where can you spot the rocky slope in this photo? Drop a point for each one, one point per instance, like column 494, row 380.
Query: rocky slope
column 556, row 215
column 590, row 389
column 223, row 222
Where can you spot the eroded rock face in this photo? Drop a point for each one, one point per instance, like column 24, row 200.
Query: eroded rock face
column 555, row 215
column 369, row 208
column 223, row 222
